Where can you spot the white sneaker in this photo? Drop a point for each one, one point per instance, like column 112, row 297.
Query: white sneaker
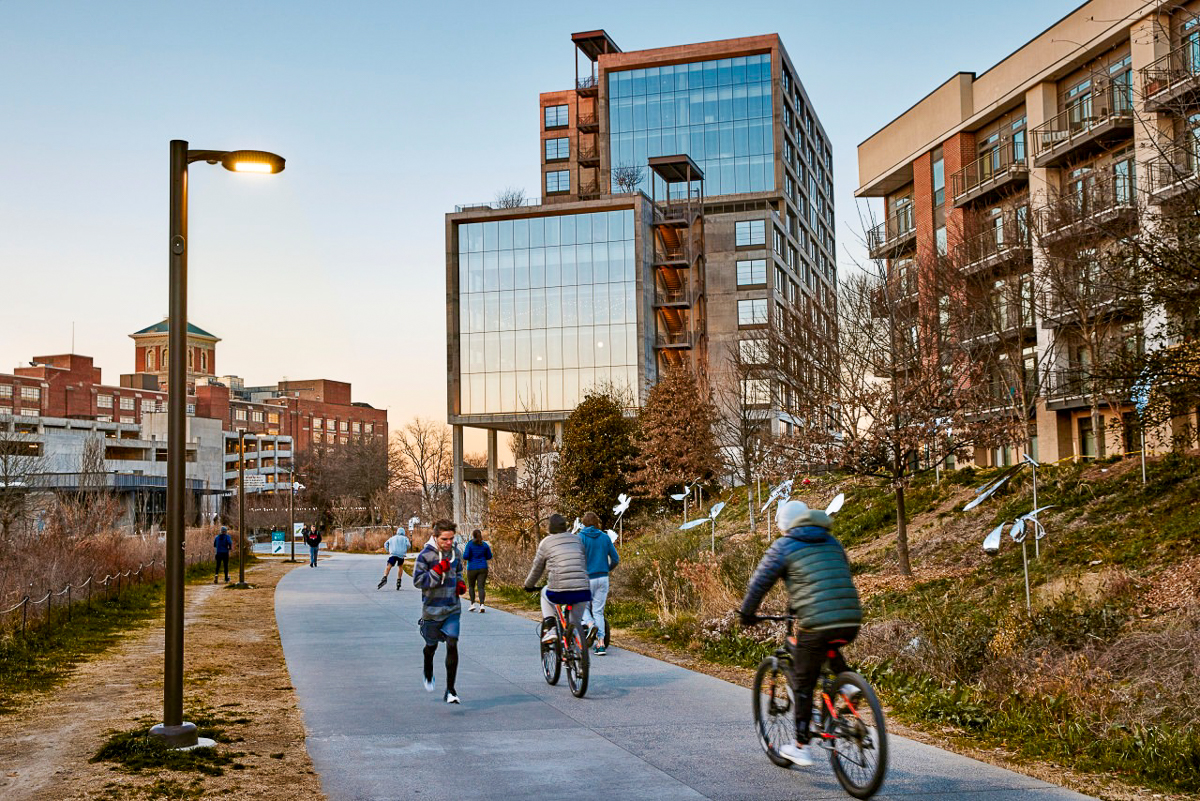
column 450, row 698
column 429, row 683
column 473, row 608
column 796, row 754
column 481, row 609
column 549, row 637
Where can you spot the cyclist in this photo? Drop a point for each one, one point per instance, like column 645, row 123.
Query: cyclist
column 821, row 594
column 560, row 555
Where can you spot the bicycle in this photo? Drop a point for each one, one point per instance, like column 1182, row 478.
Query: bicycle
column 847, row 719
column 569, row 647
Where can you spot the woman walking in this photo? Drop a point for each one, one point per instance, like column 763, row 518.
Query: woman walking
column 477, row 554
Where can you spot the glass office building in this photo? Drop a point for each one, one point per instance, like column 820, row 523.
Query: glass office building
column 718, row 112
column 547, row 310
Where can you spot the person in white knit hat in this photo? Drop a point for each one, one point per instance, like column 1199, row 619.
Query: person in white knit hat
column 821, row 594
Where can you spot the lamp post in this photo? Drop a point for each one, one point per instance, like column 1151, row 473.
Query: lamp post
column 241, row 582
column 174, row 730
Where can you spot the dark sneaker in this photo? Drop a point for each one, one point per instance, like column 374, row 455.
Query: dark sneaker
column 214, row 579
column 382, row 581
column 599, row 650
column 397, row 583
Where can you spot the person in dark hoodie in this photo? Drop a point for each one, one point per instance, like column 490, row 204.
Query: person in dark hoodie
column 602, row 558
column 821, row 594
column 222, row 545
column 477, row 554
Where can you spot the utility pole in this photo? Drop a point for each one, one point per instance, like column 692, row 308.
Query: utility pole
column 241, row 585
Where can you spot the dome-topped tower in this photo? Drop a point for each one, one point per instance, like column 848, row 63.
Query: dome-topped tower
column 151, row 354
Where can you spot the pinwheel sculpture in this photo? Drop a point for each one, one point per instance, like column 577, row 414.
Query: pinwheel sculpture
column 712, row 518
column 623, row 502
column 1018, row 532
column 683, row 496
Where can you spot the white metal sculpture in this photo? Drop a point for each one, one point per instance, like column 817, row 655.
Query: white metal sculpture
column 712, row 518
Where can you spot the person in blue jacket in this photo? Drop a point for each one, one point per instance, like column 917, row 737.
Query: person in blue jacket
column 602, row 558
column 477, row 554
column 222, row 544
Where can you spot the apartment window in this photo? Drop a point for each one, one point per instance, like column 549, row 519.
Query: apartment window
column 939, row 238
column 331, row 425
column 777, row 240
column 344, row 426
column 558, row 149
column 556, row 116
column 1120, row 75
column 127, row 404
column 752, row 272
column 150, row 359
column 6, row 391
column 752, row 351
column 317, row 423
column 273, row 418
column 356, row 428
column 780, row 280
column 939, row 178
column 369, row 428
column 239, row 414
column 31, row 393
column 204, row 361
column 1124, row 179
column 148, row 406
column 756, row 391
column 127, row 419
column 256, row 417
column 329, row 438
column 750, row 233
column 752, row 312
column 101, row 418
column 558, row 181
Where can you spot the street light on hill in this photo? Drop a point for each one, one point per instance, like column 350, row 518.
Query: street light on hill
column 174, row 730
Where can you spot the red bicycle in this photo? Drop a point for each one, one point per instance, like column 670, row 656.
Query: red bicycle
column 569, row 647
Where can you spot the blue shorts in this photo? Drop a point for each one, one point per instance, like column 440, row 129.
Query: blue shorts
column 396, row 560
column 439, row 631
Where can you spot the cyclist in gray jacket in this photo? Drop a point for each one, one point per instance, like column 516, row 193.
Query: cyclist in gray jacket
column 560, row 555
column 821, row 594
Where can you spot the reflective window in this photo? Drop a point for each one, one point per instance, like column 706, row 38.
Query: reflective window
column 556, row 116
column 752, row 272
column 557, row 149
column 558, row 181
column 547, row 310
column 752, row 312
column 718, row 112
column 749, row 233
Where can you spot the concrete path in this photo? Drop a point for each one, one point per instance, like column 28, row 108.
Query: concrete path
column 646, row 729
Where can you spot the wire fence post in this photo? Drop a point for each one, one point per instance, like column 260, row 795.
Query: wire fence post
column 68, row 603
column 24, row 613
column 49, row 603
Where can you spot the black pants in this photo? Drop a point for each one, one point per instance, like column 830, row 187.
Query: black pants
column 222, row 560
column 477, row 577
column 809, row 652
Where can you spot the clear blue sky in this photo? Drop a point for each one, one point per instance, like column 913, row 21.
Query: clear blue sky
column 388, row 113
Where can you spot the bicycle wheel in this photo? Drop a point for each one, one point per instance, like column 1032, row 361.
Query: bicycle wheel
column 774, row 715
column 551, row 657
column 859, row 751
column 577, row 662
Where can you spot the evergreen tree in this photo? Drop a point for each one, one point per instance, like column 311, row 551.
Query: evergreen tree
column 596, row 455
column 675, row 440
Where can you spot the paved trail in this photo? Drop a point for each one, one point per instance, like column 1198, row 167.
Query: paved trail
column 647, row 729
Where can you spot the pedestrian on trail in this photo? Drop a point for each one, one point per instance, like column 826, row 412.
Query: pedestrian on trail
column 397, row 549
column 312, row 538
column 477, row 554
column 222, row 544
column 560, row 557
column 437, row 570
column 601, row 556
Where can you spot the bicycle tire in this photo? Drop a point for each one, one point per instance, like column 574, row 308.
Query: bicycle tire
column 551, row 657
column 577, row 662
column 774, row 718
column 859, row 751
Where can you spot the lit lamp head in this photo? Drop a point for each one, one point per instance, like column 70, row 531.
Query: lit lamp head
column 258, row 161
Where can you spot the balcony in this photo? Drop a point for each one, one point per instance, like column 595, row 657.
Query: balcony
column 587, row 121
column 1103, row 207
column 1086, row 298
column 988, row 175
column 589, row 190
column 994, row 247
column 1068, row 388
column 672, row 255
column 1087, row 127
column 679, row 339
column 891, row 237
column 680, row 296
column 1172, row 79
column 587, row 86
column 589, row 156
column 1175, row 172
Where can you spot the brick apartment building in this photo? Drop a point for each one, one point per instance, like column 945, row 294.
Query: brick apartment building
column 1075, row 135
column 687, row 206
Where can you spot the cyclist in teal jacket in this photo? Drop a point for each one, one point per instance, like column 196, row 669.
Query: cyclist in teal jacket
column 821, row 594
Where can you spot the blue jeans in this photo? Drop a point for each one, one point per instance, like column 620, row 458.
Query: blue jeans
column 312, row 559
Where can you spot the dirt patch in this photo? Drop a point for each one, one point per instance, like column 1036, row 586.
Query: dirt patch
column 233, row 663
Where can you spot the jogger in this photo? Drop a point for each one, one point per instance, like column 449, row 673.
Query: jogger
column 438, row 572
column 477, row 555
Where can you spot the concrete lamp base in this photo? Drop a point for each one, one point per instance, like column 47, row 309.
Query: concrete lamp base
column 182, row 736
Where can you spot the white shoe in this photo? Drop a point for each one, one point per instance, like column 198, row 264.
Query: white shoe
column 450, row 698
column 429, row 683
column 473, row 608
column 481, row 609
column 549, row 636
column 796, row 754
column 849, row 691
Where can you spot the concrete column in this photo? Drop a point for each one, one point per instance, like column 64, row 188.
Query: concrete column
column 459, row 502
column 492, row 461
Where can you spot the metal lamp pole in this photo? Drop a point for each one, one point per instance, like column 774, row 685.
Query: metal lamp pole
column 174, row 730
column 241, row 585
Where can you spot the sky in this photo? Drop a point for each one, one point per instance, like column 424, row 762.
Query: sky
column 389, row 114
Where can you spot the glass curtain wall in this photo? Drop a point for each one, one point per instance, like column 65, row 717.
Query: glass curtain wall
column 547, row 310
column 717, row 112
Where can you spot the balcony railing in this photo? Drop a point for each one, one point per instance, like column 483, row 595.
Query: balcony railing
column 666, row 339
column 993, row 245
column 589, row 190
column 1096, row 202
column 1176, row 73
column 668, row 253
column 498, row 204
column 665, row 296
column 589, row 153
column 587, row 119
column 989, row 172
column 1175, row 170
column 895, row 232
column 587, row 82
column 1104, row 115
column 1068, row 383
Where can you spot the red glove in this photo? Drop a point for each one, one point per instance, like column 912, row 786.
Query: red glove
column 461, row 589
column 441, row 567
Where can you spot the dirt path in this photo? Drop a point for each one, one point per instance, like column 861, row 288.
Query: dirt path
column 233, row 664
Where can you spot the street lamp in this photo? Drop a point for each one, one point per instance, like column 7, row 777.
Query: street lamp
column 241, row 582
column 174, row 730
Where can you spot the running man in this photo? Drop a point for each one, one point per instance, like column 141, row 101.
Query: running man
column 821, row 594
column 602, row 558
column 437, row 570
column 397, row 550
column 477, row 554
column 560, row 556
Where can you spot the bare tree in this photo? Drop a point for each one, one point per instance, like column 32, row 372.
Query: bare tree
column 22, row 464
column 743, row 406
column 422, row 454
column 627, row 178
column 522, row 504
column 510, row 197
